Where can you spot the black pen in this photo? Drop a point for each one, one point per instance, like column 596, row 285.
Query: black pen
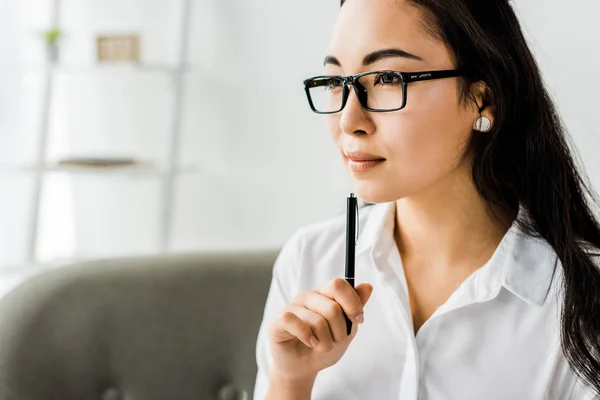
column 351, row 212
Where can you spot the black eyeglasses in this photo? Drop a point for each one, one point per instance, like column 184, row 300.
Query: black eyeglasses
column 377, row 91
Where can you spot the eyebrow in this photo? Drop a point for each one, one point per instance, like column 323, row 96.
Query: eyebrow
column 375, row 56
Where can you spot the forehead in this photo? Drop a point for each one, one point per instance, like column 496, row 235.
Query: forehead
column 364, row 26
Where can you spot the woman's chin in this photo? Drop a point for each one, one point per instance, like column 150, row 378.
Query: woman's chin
column 372, row 192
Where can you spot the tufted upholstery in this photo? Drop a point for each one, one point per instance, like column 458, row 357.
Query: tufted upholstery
column 175, row 327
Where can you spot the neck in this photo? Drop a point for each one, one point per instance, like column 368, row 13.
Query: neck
column 447, row 226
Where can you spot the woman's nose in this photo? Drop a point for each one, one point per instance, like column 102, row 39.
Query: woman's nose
column 355, row 120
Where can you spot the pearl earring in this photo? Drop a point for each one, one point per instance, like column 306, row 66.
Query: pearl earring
column 484, row 124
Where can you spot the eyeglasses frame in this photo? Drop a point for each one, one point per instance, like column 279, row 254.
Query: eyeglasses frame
column 361, row 92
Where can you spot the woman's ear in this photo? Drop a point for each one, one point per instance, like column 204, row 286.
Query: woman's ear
column 484, row 107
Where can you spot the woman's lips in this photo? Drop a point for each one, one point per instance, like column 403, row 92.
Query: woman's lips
column 362, row 162
column 363, row 166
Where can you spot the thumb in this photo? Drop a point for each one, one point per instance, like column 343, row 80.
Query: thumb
column 364, row 291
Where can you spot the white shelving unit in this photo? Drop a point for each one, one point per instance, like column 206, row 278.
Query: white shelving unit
column 166, row 171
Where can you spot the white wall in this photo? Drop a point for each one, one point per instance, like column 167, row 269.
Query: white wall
column 270, row 165
column 565, row 36
column 267, row 164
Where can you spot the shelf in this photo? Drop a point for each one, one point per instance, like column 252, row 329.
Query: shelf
column 141, row 169
column 54, row 77
column 96, row 68
column 117, row 67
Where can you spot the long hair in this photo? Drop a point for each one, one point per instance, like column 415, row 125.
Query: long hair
column 525, row 161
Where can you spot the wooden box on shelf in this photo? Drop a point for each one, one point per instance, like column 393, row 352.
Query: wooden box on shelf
column 118, row 48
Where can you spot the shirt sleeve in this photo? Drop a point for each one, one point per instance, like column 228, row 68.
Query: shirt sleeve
column 282, row 289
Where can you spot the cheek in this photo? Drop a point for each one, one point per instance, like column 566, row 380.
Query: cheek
column 430, row 134
column 333, row 126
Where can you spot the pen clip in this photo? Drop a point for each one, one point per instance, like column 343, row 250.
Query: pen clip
column 357, row 225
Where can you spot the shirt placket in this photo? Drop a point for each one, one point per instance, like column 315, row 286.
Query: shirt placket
column 395, row 284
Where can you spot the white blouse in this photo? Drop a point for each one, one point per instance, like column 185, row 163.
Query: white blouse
column 496, row 338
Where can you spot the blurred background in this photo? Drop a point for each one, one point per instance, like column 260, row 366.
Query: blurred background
column 134, row 127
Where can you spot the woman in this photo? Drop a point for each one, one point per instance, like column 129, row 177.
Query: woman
column 478, row 260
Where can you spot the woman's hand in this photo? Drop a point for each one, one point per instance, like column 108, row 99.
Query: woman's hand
column 310, row 333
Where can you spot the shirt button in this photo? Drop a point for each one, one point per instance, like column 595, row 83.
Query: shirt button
column 232, row 392
column 111, row 394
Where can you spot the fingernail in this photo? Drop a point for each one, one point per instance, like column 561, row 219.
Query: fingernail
column 313, row 341
column 360, row 318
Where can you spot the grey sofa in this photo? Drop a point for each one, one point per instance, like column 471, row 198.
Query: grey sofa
column 179, row 327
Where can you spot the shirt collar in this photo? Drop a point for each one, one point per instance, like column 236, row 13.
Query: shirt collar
column 530, row 268
column 372, row 220
column 522, row 264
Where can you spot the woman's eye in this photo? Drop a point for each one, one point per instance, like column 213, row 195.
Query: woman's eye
column 333, row 85
column 387, row 79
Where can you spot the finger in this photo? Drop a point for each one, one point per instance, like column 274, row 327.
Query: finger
column 330, row 310
column 344, row 294
column 353, row 332
column 364, row 291
column 288, row 326
column 319, row 326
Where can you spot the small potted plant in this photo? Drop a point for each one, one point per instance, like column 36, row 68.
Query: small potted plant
column 51, row 38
